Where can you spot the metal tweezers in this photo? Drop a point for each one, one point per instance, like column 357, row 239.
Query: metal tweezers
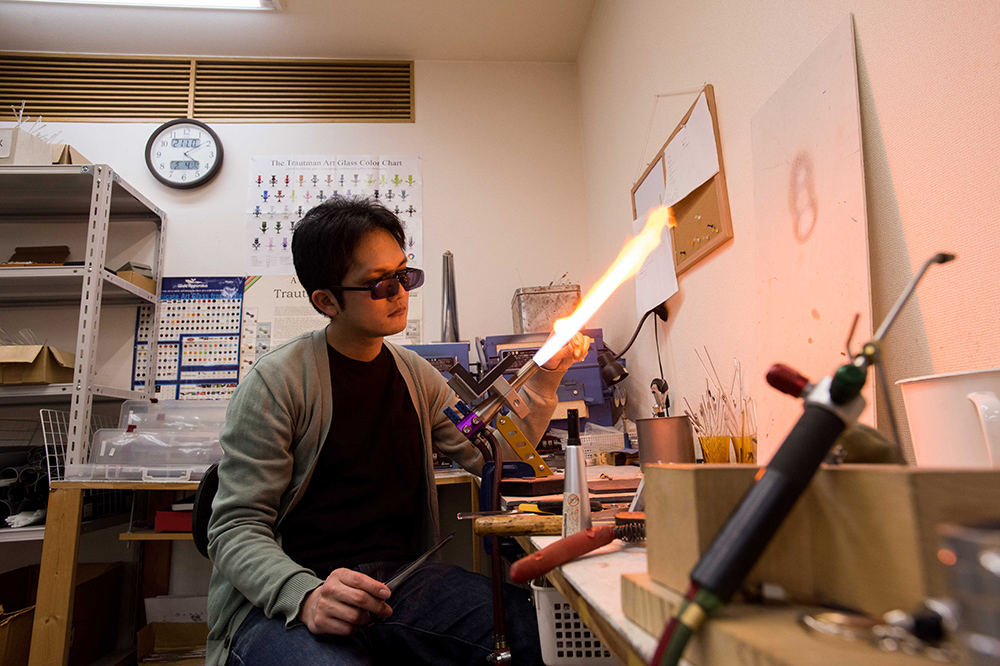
column 405, row 572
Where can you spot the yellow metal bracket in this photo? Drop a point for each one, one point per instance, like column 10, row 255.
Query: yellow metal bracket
column 522, row 447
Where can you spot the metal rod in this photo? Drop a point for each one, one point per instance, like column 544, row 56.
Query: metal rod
column 497, row 571
column 939, row 258
column 883, row 383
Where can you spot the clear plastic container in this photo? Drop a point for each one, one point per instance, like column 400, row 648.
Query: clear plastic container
column 148, row 455
column 174, row 414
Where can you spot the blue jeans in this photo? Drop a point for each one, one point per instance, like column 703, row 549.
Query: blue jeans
column 442, row 614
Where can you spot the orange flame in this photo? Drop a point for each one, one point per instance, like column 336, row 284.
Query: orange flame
column 629, row 261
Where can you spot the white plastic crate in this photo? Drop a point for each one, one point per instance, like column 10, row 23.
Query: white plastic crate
column 565, row 639
column 599, row 443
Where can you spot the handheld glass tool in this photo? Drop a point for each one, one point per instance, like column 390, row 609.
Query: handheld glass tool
column 408, row 570
column 830, row 406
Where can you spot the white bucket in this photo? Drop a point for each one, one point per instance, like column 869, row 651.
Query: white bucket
column 954, row 418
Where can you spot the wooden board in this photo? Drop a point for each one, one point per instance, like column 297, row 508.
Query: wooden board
column 50, row 637
column 551, row 485
column 686, row 506
column 864, row 536
column 812, row 234
column 745, row 635
column 150, row 535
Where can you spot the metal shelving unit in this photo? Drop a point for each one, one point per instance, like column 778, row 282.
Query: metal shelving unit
column 62, row 285
column 95, row 196
column 37, row 532
column 56, row 393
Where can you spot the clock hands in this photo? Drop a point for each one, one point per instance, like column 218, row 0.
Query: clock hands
column 187, row 153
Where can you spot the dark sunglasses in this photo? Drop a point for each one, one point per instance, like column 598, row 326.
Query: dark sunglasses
column 387, row 287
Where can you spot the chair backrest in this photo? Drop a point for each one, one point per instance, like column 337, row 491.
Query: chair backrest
column 202, row 511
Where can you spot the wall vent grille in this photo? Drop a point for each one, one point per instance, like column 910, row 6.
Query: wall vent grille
column 62, row 87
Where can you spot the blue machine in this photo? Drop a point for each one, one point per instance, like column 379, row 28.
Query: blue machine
column 443, row 355
column 581, row 382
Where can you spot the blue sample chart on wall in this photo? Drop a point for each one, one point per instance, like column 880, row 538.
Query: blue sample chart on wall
column 198, row 345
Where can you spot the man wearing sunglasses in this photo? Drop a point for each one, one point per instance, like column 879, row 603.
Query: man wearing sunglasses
column 326, row 488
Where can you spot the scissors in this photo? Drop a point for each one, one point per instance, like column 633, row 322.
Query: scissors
column 406, row 571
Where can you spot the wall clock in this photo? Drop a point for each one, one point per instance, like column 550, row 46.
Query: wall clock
column 184, row 153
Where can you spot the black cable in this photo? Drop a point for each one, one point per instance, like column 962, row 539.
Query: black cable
column 656, row 336
column 634, row 335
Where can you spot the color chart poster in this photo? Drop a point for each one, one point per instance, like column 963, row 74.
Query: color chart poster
column 198, row 343
column 283, row 188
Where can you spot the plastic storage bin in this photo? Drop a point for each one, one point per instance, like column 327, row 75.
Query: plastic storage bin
column 564, row 637
column 149, row 455
column 174, row 414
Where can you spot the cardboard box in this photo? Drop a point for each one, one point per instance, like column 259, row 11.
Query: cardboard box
column 177, row 643
column 35, row 364
column 63, row 153
column 138, row 280
column 863, row 536
column 94, row 628
column 95, row 611
column 17, row 599
column 18, row 147
column 39, row 255
column 141, row 269
column 15, row 636
column 172, row 521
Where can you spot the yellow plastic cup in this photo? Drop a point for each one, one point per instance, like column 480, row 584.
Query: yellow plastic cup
column 746, row 449
column 714, row 449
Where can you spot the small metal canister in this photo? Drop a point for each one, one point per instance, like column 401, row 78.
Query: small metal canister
column 535, row 309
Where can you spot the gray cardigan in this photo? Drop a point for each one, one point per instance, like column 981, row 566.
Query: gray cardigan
column 277, row 421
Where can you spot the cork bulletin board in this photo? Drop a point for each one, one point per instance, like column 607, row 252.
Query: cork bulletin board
column 704, row 222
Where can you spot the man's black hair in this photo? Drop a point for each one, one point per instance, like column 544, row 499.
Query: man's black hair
column 324, row 240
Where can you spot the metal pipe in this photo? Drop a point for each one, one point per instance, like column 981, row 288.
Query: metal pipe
column 939, row 258
column 489, row 408
column 449, row 301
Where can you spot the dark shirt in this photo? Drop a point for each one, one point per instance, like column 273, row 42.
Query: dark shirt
column 363, row 499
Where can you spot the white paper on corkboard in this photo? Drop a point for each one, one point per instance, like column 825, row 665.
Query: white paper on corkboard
column 809, row 191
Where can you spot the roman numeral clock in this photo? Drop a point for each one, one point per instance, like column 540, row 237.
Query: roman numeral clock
column 184, row 153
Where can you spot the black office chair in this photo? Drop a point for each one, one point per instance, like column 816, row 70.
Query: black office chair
column 202, row 510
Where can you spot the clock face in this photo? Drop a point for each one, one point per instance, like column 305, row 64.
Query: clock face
column 184, row 153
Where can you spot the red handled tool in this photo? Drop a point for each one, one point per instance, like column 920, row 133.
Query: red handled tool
column 545, row 560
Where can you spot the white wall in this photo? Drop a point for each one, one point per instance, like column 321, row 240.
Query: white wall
column 503, row 190
column 502, row 169
column 930, row 96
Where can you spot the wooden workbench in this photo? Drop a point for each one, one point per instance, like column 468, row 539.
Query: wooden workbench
column 742, row 635
column 50, row 638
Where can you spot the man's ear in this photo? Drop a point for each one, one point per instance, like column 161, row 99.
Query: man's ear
column 324, row 300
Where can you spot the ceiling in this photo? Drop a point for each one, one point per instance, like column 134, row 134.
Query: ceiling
column 485, row 30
